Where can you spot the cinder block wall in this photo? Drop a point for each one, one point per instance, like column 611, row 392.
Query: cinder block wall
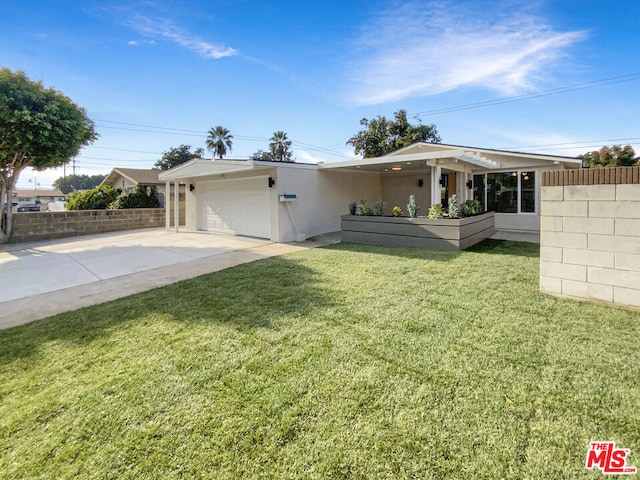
column 590, row 235
column 31, row 226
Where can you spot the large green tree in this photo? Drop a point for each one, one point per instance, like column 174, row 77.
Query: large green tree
column 381, row 136
column 280, row 147
column 39, row 128
column 177, row 156
column 262, row 156
column 614, row 156
column 77, row 182
column 219, row 140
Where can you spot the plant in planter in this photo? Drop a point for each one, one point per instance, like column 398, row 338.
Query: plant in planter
column 435, row 211
column 363, row 209
column 353, row 207
column 470, row 207
column 412, row 208
column 454, row 208
column 380, row 206
column 397, row 211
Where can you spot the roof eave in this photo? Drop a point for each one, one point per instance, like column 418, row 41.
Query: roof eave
column 205, row 168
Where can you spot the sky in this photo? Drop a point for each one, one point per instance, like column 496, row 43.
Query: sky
column 556, row 77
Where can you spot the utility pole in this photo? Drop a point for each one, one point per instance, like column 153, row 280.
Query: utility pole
column 73, row 184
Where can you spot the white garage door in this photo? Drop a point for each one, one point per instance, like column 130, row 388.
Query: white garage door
column 239, row 206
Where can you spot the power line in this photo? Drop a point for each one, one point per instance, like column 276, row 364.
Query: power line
column 151, row 131
column 172, row 130
column 124, row 150
column 328, row 150
column 543, row 93
column 570, row 145
column 167, row 131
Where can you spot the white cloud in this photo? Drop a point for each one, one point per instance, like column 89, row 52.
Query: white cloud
column 133, row 43
column 306, row 157
column 426, row 47
column 202, row 47
column 154, row 28
column 332, row 155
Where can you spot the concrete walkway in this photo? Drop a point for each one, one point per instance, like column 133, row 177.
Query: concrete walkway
column 45, row 278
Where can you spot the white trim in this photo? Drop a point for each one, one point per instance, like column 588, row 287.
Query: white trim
column 167, row 202
column 390, row 159
column 200, row 168
column 485, row 151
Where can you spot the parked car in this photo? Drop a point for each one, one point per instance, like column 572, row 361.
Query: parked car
column 28, row 208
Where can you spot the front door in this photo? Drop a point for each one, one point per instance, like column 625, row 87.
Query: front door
column 447, row 188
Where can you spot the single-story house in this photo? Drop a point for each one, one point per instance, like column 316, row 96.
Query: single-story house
column 291, row 201
column 129, row 178
column 37, row 197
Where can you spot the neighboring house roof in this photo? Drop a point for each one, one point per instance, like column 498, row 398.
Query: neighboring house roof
column 39, row 193
column 138, row 176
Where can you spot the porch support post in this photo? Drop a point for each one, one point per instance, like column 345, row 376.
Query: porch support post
column 167, row 205
column 176, row 205
column 436, row 172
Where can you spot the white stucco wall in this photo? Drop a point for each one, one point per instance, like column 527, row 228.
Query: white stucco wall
column 518, row 222
column 191, row 217
column 397, row 188
column 323, row 196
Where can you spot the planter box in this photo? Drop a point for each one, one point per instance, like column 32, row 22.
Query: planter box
column 422, row 232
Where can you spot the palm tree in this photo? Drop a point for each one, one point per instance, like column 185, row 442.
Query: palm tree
column 280, row 146
column 219, row 140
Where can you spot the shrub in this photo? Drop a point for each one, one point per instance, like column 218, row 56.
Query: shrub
column 353, row 207
column 397, row 211
column 139, row 197
column 98, row 198
column 470, row 207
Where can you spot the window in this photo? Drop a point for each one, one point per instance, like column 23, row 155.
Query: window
column 528, row 192
column 502, row 192
column 506, row 192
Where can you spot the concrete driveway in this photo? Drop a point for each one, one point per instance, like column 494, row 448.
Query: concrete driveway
column 45, row 278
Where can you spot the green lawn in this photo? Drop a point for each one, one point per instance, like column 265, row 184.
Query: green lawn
column 348, row 361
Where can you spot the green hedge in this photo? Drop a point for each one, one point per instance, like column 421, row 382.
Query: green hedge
column 107, row 197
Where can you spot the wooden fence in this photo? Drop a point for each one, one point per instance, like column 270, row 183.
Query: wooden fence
column 591, row 176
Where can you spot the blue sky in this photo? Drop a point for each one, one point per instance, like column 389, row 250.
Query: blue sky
column 541, row 76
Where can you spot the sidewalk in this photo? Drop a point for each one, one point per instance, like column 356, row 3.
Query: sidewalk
column 46, row 278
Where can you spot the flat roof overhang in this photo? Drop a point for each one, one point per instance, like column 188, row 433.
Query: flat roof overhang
column 209, row 168
column 452, row 158
column 415, row 162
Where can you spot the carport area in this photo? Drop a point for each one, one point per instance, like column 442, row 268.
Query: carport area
column 45, row 278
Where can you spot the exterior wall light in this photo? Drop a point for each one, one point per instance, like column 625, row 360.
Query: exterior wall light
column 192, row 187
column 272, row 182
